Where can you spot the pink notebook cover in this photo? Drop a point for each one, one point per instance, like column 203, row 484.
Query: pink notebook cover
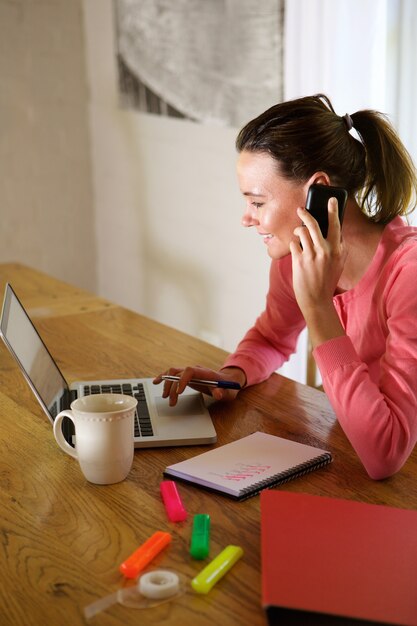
column 338, row 557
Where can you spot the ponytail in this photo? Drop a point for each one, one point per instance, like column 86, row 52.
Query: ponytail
column 390, row 185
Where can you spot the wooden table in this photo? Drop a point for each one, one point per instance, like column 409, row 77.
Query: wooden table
column 62, row 538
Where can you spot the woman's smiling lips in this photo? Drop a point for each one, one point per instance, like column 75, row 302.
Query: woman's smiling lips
column 266, row 236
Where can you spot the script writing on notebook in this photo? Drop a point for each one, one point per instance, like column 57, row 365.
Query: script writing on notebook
column 243, row 468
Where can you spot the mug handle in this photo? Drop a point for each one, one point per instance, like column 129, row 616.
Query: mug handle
column 60, row 439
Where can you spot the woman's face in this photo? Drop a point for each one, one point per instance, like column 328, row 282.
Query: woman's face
column 271, row 201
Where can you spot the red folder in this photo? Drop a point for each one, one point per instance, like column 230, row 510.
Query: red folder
column 331, row 561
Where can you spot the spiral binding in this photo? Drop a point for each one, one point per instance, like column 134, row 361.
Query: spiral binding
column 287, row 475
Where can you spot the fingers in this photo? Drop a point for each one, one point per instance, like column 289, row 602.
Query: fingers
column 309, row 233
column 303, row 239
column 172, row 389
column 295, row 248
column 334, row 233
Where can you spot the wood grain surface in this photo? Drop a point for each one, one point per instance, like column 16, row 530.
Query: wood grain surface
column 63, row 538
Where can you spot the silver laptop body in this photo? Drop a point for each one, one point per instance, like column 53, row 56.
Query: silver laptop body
column 157, row 424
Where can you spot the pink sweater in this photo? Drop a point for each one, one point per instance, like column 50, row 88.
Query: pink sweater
column 370, row 374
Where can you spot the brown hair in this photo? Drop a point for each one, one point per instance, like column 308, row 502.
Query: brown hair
column 306, row 136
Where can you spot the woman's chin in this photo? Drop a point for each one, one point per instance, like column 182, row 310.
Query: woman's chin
column 277, row 250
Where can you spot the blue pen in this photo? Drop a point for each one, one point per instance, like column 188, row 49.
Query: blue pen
column 223, row 384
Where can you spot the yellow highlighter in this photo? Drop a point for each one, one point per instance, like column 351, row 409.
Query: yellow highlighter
column 216, row 569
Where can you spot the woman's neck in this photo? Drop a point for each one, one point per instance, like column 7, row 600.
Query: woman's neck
column 361, row 237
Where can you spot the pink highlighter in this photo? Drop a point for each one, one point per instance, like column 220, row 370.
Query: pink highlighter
column 172, row 501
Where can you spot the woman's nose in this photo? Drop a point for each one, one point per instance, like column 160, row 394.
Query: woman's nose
column 249, row 217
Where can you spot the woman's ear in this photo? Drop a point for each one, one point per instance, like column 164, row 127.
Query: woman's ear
column 319, row 178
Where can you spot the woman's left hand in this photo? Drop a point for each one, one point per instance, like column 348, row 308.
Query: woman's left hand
column 317, row 267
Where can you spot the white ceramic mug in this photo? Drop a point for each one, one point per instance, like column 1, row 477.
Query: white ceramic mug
column 104, row 429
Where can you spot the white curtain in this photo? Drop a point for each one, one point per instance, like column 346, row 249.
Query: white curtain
column 337, row 47
column 217, row 61
column 402, row 73
column 361, row 53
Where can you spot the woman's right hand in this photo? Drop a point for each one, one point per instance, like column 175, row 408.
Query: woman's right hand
column 172, row 389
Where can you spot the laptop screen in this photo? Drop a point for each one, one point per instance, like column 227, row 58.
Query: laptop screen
column 39, row 368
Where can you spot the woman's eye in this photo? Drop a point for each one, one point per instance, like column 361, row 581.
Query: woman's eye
column 257, row 205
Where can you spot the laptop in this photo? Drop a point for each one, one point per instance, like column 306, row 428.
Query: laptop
column 156, row 423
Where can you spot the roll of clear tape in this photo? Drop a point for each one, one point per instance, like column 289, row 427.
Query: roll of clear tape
column 159, row 584
column 152, row 589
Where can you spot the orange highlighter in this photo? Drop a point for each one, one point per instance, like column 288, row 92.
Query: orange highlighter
column 137, row 561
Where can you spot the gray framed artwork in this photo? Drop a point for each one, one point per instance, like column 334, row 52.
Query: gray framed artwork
column 211, row 61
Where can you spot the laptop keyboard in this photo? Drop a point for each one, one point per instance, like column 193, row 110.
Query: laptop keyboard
column 143, row 424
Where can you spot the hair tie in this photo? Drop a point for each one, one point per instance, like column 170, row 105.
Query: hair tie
column 348, row 121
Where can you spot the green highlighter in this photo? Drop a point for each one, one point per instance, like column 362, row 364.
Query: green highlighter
column 200, row 537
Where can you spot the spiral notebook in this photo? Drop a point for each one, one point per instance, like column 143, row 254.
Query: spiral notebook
column 243, row 468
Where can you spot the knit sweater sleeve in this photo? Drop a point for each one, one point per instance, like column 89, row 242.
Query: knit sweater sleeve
column 273, row 338
column 378, row 412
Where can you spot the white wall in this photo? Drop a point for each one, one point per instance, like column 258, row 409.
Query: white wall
column 168, row 210
column 46, row 195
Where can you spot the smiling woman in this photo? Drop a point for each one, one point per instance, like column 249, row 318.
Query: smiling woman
column 271, row 201
column 354, row 289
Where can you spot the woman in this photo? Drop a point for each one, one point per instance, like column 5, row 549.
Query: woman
column 355, row 290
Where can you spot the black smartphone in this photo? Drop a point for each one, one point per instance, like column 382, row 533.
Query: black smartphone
column 317, row 204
